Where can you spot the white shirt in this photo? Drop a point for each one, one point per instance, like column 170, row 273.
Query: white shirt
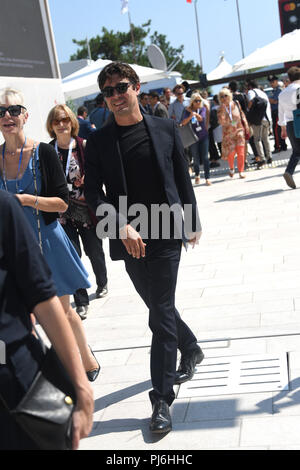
column 287, row 103
column 263, row 95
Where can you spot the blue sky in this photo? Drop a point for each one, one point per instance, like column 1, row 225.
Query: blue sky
column 217, row 19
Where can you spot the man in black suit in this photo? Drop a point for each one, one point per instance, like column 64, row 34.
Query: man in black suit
column 158, row 109
column 140, row 158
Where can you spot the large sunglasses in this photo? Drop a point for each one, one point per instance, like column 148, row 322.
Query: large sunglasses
column 121, row 88
column 64, row 120
column 14, row 110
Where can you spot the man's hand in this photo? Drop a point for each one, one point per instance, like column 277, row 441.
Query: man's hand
column 132, row 242
column 194, row 238
column 283, row 132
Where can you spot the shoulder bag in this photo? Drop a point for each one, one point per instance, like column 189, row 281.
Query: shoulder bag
column 45, row 412
column 187, row 134
column 296, row 114
column 244, row 121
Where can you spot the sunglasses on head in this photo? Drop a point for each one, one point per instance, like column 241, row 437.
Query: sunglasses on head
column 121, row 88
column 14, row 110
column 64, row 120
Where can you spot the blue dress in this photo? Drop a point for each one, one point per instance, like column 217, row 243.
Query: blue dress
column 67, row 270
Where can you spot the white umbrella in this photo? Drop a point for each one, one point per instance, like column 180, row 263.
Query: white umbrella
column 84, row 82
column 222, row 70
column 284, row 49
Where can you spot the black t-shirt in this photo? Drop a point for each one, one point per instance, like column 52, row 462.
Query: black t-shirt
column 25, row 281
column 143, row 177
column 144, row 183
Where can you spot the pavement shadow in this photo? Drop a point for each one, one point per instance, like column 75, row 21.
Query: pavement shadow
column 124, row 425
column 215, row 413
column 123, row 394
column 242, row 197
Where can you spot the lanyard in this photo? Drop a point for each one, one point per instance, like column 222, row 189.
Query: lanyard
column 19, row 167
column 69, row 154
column 229, row 111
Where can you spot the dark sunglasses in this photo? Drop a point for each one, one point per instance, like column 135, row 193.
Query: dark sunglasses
column 14, row 110
column 121, row 88
column 64, row 120
column 197, row 101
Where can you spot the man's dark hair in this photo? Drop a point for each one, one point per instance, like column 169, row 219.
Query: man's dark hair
column 252, row 84
column 178, row 87
column 154, row 94
column 142, row 95
column 294, row 73
column 233, row 86
column 117, row 68
column 186, row 85
column 99, row 99
column 81, row 110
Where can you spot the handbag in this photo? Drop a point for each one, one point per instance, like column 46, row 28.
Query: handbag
column 78, row 211
column 296, row 115
column 244, row 122
column 45, row 412
column 187, row 134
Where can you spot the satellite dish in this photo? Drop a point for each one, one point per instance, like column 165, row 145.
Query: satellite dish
column 156, row 57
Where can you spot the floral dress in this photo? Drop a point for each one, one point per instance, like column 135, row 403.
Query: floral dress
column 233, row 130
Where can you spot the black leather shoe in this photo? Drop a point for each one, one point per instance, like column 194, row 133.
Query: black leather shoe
column 161, row 419
column 289, row 180
column 101, row 292
column 82, row 311
column 93, row 374
column 187, row 365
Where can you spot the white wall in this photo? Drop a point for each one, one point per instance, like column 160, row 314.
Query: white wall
column 40, row 95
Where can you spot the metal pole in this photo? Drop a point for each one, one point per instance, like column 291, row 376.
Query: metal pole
column 199, row 44
column 88, row 49
column 132, row 36
column 238, row 13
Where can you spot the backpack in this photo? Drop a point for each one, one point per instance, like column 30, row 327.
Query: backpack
column 257, row 111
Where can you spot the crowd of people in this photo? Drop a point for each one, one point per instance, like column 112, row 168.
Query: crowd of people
column 225, row 124
column 50, row 198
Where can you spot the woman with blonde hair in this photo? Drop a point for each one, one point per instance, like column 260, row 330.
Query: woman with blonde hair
column 197, row 113
column 230, row 117
column 32, row 171
column 78, row 221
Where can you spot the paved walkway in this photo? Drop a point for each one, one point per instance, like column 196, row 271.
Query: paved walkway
column 239, row 290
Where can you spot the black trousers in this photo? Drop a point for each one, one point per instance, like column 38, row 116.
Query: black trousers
column 279, row 142
column 93, row 249
column 155, row 278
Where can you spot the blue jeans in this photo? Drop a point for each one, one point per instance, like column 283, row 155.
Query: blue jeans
column 199, row 152
column 295, row 143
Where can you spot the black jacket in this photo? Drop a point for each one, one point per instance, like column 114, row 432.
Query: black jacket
column 54, row 183
column 103, row 167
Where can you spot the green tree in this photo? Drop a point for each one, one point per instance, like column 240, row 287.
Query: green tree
column 119, row 46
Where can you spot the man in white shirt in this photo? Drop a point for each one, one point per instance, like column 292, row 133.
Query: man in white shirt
column 261, row 130
column 287, row 104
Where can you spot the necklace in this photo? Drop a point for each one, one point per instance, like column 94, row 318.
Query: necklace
column 19, row 167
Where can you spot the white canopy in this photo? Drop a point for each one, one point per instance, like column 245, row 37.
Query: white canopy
column 84, row 81
column 222, row 70
column 284, row 49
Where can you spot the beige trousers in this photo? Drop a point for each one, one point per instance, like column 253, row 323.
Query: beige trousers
column 261, row 135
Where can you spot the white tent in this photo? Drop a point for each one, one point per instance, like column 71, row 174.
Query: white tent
column 84, row 81
column 222, row 70
column 284, row 49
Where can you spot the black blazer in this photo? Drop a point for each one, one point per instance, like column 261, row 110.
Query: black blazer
column 161, row 111
column 103, row 167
